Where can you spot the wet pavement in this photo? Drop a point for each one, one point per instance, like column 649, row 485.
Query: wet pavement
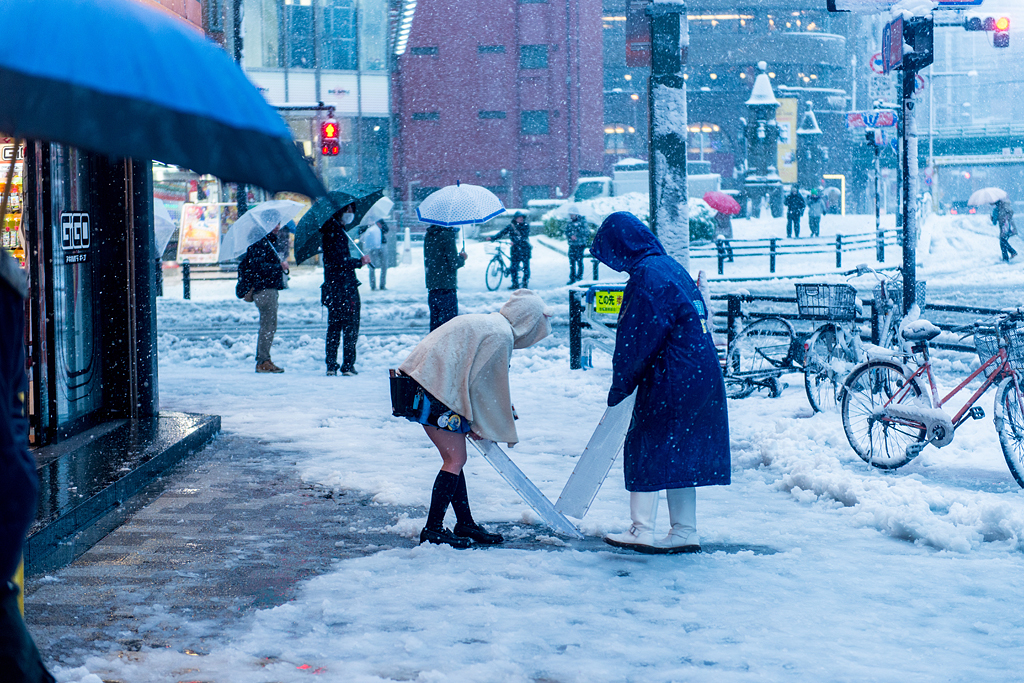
column 232, row 530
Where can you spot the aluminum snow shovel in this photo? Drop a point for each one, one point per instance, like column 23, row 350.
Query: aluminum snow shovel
column 596, row 460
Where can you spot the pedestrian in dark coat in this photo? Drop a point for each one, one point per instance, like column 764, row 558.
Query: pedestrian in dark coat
column 519, row 255
column 1004, row 218
column 577, row 236
column 19, row 486
column 794, row 209
column 340, row 293
column 441, row 262
column 678, row 438
column 260, row 279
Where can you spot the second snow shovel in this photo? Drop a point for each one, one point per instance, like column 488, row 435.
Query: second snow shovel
column 596, row 460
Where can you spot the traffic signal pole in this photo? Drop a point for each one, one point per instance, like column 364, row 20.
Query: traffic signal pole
column 670, row 219
column 910, row 169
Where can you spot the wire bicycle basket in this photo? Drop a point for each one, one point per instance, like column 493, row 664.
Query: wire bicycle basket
column 894, row 293
column 826, row 301
column 986, row 342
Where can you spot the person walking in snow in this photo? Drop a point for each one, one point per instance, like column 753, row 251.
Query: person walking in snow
column 723, row 233
column 794, row 209
column 375, row 240
column 261, row 276
column 441, row 263
column 340, row 292
column 462, row 372
column 678, row 438
column 1004, row 218
column 577, row 236
column 519, row 232
column 815, row 210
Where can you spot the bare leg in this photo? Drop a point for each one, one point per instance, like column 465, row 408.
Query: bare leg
column 451, row 446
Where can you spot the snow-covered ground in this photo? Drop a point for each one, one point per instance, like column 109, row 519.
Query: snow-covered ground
column 817, row 566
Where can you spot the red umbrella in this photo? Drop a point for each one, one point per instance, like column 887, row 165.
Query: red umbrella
column 722, row 203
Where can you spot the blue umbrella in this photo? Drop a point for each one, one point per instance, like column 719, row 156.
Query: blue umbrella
column 123, row 79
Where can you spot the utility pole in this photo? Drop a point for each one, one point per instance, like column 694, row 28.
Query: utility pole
column 670, row 219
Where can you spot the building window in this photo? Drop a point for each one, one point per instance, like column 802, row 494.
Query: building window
column 535, row 192
column 533, row 57
column 535, row 123
column 424, row 51
column 492, row 114
column 490, row 49
column 496, row 189
column 421, row 193
column 339, row 35
column 426, row 116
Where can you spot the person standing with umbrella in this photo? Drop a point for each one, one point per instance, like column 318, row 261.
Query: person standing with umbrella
column 260, row 279
column 519, row 232
column 340, row 292
column 726, row 207
column 441, row 262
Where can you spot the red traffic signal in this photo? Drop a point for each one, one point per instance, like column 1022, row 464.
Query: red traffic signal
column 329, row 146
column 976, row 23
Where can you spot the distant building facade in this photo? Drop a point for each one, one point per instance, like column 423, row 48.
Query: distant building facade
column 500, row 93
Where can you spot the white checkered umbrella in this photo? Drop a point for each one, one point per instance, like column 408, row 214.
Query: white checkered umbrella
column 459, row 204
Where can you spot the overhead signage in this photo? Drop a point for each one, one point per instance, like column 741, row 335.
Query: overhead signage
column 75, row 236
column 879, row 118
column 892, row 45
column 876, row 63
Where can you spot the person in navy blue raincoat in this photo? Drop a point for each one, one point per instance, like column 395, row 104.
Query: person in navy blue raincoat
column 678, row 438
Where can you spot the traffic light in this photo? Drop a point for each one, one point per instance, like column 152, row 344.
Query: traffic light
column 329, row 146
column 1000, row 27
column 918, row 33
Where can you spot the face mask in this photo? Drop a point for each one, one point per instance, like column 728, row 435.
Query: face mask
column 347, row 218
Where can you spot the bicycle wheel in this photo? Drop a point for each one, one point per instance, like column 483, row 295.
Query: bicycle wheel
column 827, row 362
column 757, row 353
column 494, row 274
column 1009, row 421
column 878, row 441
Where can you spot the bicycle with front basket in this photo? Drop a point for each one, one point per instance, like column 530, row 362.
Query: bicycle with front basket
column 891, row 411
column 497, row 269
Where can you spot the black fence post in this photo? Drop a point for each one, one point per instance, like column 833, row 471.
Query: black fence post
column 771, row 250
column 596, row 262
column 839, row 251
column 734, row 311
column 186, row 279
column 876, row 329
column 720, row 246
column 880, row 246
column 575, row 330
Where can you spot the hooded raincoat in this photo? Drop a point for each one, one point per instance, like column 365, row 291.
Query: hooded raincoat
column 679, row 434
column 464, row 363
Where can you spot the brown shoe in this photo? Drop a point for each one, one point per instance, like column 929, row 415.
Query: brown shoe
column 268, row 366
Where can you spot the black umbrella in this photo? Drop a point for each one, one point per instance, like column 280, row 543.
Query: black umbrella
column 308, row 238
column 123, row 79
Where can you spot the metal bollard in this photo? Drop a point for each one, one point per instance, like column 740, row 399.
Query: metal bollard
column 186, row 279
column 772, row 251
column 734, row 312
column 575, row 330
column 721, row 256
column 839, row 251
column 880, row 246
column 596, row 263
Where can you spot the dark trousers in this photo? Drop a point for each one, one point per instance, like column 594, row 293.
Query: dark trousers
column 444, row 305
column 1004, row 246
column 343, row 317
column 520, row 257
column 576, row 262
column 792, row 225
column 19, row 659
column 814, row 223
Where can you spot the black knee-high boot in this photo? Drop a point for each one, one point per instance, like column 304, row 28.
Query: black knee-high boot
column 465, row 526
column 445, row 485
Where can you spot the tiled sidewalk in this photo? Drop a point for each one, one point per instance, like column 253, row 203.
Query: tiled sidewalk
column 233, row 530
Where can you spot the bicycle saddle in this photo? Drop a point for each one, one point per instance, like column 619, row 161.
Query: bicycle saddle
column 920, row 330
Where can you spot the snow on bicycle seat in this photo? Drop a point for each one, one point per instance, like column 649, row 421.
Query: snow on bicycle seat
column 920, row 330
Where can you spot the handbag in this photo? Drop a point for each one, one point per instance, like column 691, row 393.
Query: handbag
column 403, row 394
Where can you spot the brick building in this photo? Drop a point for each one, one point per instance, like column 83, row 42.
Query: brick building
column 501, row 93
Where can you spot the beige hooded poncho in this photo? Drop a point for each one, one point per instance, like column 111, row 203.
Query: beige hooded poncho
column 464, row 363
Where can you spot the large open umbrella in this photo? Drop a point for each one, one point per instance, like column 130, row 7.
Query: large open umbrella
column 255, row 224
column 308, row 238
column 722, row 202
column 459, row 204
column 987, row 195
column 123, row 79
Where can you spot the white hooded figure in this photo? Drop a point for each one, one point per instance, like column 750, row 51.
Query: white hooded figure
column 374, row 246
column 462, row 369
